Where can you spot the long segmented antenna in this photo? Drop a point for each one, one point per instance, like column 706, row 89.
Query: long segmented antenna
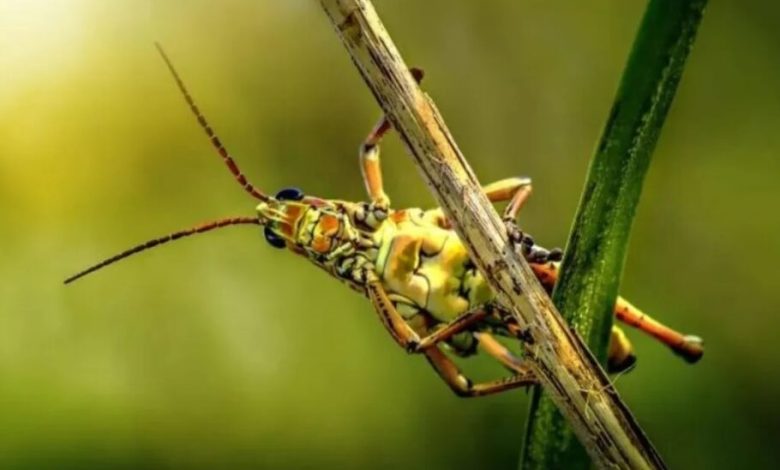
column 231, row 164
column 205, row 227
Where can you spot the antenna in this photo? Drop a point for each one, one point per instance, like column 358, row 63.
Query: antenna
column 231, row 164
column 205, row 227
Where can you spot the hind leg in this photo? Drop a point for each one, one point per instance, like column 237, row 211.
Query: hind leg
column 688, row 346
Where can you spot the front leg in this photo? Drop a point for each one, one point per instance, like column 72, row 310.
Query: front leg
column 370, row 165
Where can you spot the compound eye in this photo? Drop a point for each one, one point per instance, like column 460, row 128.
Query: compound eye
column 289, row 194
column 273, row 239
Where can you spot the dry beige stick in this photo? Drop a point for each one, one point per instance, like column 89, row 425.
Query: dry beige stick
column 565, row 367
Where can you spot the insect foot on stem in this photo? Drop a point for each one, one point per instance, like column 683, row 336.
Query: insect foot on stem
column 540, row 255
column 513, row 232
column 517, row 237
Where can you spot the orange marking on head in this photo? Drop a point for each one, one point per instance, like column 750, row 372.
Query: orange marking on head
column 293, row 211
column 292, row 215
column 287, row 229
column 329, row 224
column 320, row 244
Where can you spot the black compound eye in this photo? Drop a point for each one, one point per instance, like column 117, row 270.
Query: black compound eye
column 289, row 194
column 273, row 239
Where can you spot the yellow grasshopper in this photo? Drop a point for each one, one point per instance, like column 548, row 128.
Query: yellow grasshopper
column 412, row 266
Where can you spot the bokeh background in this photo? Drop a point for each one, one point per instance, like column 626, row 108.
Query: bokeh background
column 220, row 352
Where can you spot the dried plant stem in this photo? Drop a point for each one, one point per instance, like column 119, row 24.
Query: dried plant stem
column 567, row 370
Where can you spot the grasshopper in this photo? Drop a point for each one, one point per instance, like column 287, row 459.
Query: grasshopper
column 412, row 266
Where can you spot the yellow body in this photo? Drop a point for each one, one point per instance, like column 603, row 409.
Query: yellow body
column 413, row 267
column 426, row 268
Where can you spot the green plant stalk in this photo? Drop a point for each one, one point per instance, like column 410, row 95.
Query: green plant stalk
column 595, row 252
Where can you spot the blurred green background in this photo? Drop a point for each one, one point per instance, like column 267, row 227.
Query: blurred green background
column 220, row 352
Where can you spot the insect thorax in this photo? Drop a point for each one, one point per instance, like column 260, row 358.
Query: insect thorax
column 425, row 267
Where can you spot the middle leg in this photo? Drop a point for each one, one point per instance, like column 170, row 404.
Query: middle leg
column 517, row 191
column 490, row 345
column 464, row 387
